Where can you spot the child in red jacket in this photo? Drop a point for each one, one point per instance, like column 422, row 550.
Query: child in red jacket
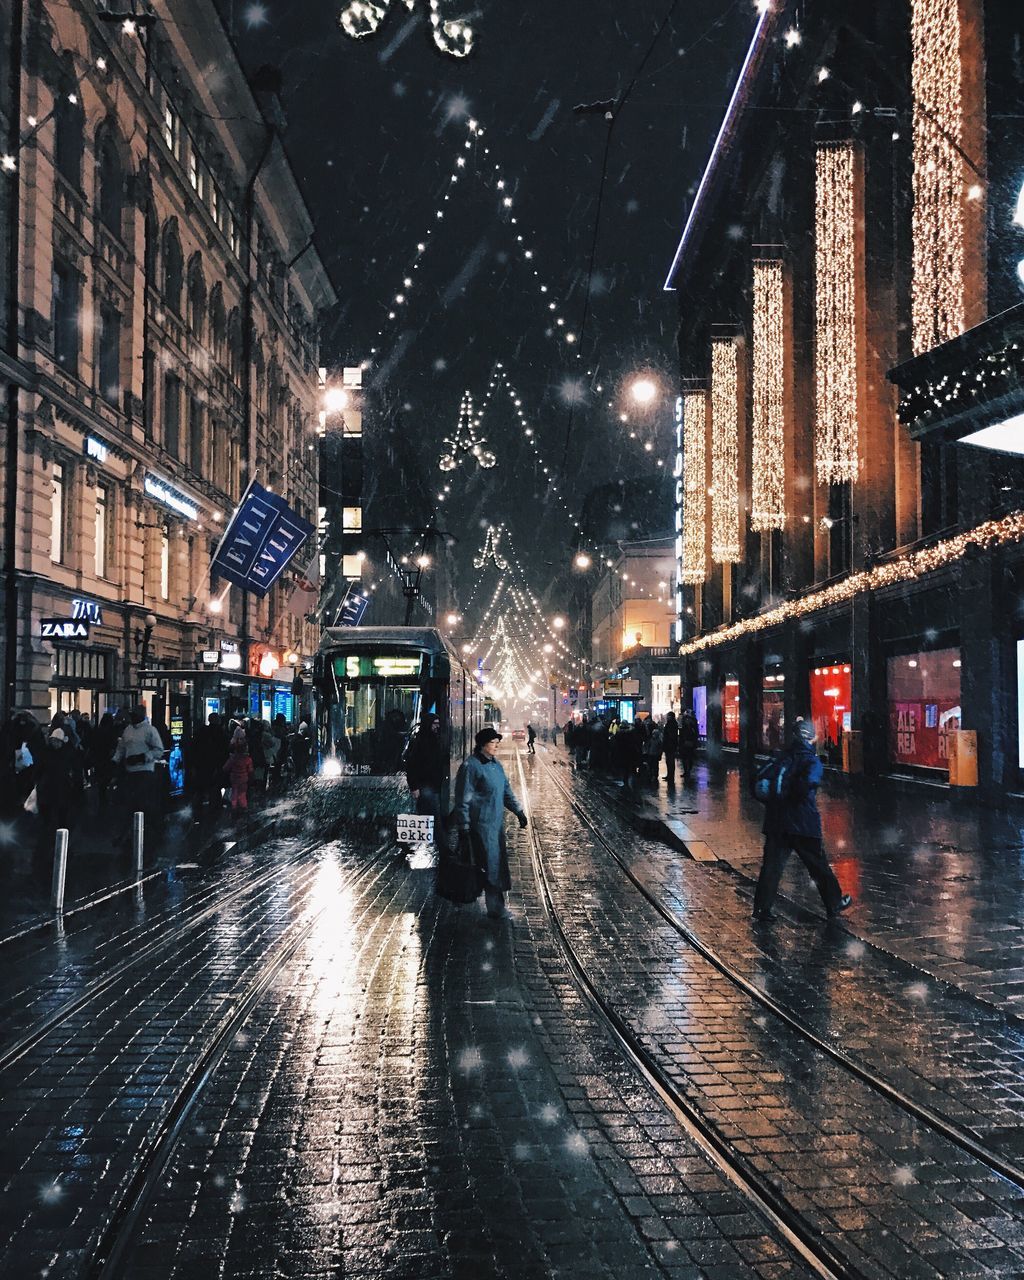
column 239, row 771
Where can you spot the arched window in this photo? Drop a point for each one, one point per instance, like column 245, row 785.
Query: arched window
column 235, row 344
column 109, row 181
column 196, row 297
column 218, row 329
column 173, row 268
column 68, row 121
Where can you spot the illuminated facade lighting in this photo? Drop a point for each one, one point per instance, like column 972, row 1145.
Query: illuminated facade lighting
column 835, row 320
column 725, row 500
column 938, row 214
column 768, row 444
column 693, row 566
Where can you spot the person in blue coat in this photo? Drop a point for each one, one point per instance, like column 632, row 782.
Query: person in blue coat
column 482, row 794
column 793, row 823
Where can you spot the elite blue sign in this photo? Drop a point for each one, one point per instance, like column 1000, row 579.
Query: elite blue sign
column 354, row 606
column 262, row 537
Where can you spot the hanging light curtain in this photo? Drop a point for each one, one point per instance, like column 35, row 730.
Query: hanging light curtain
column 692, row 487
column 725, row 500
column 768, row 437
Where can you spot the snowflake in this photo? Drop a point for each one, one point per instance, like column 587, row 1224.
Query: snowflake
column 904, row 1176
column 517, row 1058
column 470, row 1060
column 577, row 1144
column 549, row 1113
column 256, row 15
column 521, row 1151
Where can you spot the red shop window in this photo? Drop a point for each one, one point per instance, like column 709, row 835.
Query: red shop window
column 831, row 702
column 731, row 712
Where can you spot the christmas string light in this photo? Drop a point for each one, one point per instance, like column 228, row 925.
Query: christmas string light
column 362, row 18
column 835, row 317
column 490, row 549
column 909, row 568
column 768, row 444
column 693, row 551
column 937, row 288
column 465, row 442
column 725, row 501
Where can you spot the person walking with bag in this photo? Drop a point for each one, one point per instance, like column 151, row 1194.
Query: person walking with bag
column 482, row 793
column 788, row 785
column 426, row 764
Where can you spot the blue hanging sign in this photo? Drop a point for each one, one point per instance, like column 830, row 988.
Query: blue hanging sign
column 262, row 537
column 353, row 607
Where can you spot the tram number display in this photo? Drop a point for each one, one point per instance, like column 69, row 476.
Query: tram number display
column 389, row 666
column 415, row 828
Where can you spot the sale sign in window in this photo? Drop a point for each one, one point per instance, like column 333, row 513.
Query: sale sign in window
column 924, row 707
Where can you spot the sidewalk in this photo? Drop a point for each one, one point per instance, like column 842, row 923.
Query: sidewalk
column 96, row 863
column 938, row 883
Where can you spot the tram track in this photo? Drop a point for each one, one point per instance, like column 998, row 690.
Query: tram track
column 807, row 1244
column 958, row 1134
column 163, row 943
column 111, row 1254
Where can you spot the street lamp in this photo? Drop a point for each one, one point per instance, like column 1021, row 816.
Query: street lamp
column 643, row 390
column 558, row 622
column 336, row 399
column 582, row 561
column 142, row 640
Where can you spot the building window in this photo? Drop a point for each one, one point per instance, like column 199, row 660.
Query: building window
column 109, row 362
column 109, row 184
column 195, row 436
column 352, row 519
column 68, row 135
column 938, row 486
column 218, row 326
column 172, row 414
column 352, row 566
column 196, row 298
column 165, row 563
column 65, row 317
column 215, row 202
column 193, row 168
column 172, row 131
column 57, row 513
column 102, row 530
column 173, row 271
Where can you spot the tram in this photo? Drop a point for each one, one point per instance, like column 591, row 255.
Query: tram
column 371, row 688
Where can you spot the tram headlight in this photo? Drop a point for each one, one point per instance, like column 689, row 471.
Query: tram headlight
column 332, row 768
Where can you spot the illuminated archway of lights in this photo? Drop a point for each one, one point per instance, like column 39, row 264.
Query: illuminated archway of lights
column 362, row 18
column 465, row 443
column 490, row 551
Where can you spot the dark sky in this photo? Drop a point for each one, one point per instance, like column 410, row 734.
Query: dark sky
column 374, row 129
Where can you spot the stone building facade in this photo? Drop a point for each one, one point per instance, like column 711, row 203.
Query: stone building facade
column 168, row 306
column 843, row 552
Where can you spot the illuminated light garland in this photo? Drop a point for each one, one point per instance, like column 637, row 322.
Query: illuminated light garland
column 693, row 551
column 992, row 533
column 490, row 549
column 725, row 499
column 835, row 317
column 768, row 434
column 362, row 18
column 937, row 291
column 465, row 442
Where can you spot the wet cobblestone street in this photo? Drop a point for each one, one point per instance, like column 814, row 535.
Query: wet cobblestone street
column 296, row 1060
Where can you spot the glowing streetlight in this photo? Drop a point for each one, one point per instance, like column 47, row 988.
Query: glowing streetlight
column 549, row 648
column 452, row 619
column 582, row 561
column 423, row 562
column 335, row 399
column 558, row 622
column 643, row 390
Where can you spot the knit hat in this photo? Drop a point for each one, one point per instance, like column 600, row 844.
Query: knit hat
column 58, row 737
column 490, row 734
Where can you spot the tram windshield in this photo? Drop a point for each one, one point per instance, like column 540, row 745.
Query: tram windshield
column 375, row 702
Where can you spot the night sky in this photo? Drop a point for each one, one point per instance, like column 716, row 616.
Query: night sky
column 374, row 130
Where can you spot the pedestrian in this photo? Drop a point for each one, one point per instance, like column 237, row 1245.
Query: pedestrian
column 792, row 823
column 272, row 754
column 55, row 787
column 482, row 793
column 689, row 736
column 138, row 750
column 426, row 768
column 239, row 768
column 581, row 743
column 652, row 752
column 670, row 746
column 554, row 734
column 531, row 738
column 301, row 750
column 209, row 754
column 102, row 748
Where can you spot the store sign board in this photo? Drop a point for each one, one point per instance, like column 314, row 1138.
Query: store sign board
column 170, row 497
column 231, row 661
column 63, row 629
column 96, row 449
column 210, row 657
column 87, row 611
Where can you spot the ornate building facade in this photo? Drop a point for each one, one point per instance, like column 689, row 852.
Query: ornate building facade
column 168, row 299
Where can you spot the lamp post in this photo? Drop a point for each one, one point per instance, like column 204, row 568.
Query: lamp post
column 142, row 639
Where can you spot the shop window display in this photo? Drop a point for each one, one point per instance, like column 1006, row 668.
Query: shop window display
column 773, row 715
column 924, row 707
column 731, row 711
column 831, row 708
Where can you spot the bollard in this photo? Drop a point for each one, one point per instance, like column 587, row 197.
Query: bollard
column 60, row 869
column 138, row 839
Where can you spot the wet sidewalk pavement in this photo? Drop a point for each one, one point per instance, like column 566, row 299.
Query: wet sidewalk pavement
column 418, row 1091
column 937, row 882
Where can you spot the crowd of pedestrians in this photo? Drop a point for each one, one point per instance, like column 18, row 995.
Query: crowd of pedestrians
column 70, row 766
column 633, row 752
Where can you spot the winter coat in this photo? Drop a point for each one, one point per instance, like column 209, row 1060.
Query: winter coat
column 55, row 772
column 689, row 733
column 796, row 814
column 239, row 770
column 670, row 735
column 139, row 740
column 482, row 793
column 426, row 761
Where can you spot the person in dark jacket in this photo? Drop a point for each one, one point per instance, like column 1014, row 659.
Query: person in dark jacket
column 55, row 787
column 482, row 794
column 793, row 824
column 670, row 746
column 426, row 767
column 531, row 738
column 689, row 736
column 210, row 750
column 102, row 748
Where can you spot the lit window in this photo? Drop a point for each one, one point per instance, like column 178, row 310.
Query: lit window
column 172, row 131
column 57, row 514
column 352, row 519
column 165, row 563
column 193, row 169
column 352, row 566
column 101, row 529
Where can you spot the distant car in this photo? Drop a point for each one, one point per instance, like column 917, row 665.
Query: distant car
column 518, row 735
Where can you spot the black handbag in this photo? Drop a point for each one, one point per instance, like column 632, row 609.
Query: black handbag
column 458, row 878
